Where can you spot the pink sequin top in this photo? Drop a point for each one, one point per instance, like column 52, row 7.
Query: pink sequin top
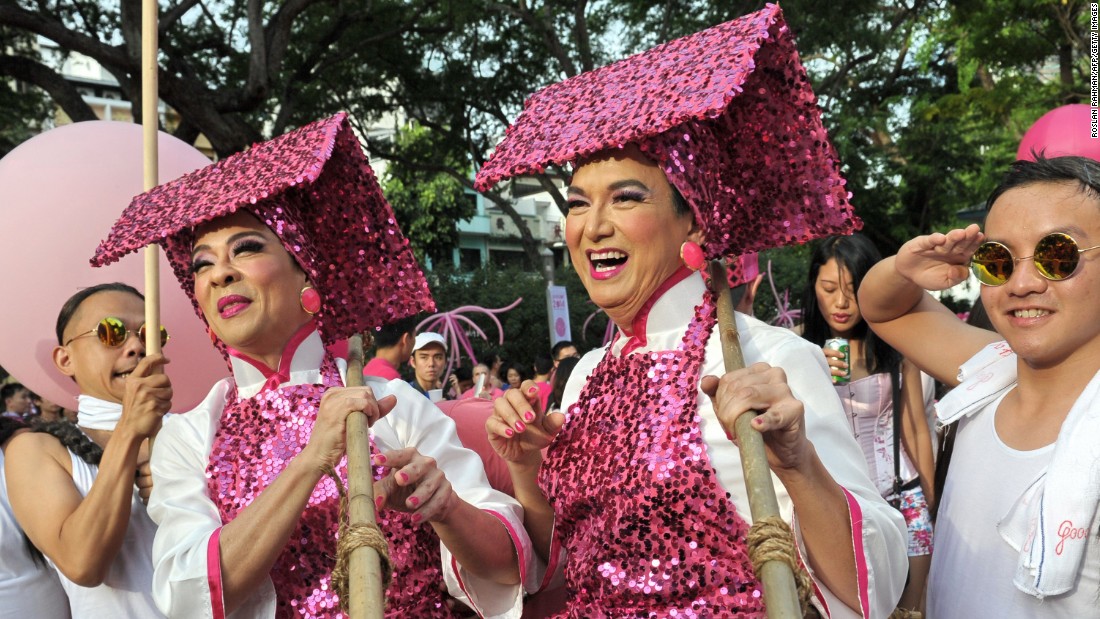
column 692, row 448
column 214, row 461
column 668, row 543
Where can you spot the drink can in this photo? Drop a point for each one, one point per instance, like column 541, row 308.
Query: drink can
column 841, row 344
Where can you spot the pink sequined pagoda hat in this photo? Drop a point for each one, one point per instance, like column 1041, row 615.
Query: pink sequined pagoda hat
column 315, row 189
column 728, row 114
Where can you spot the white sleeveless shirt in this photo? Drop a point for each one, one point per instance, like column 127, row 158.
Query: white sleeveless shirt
column 973, row 566
column 27, row 588
column 127, row 591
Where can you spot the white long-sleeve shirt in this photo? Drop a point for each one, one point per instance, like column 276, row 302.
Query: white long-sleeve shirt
column 187, row 518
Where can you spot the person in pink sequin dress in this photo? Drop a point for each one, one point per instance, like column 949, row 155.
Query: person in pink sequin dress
column 247, row 516
column 702, row 148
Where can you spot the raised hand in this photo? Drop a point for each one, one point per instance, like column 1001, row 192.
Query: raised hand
column 939, row 261
column 519, row 428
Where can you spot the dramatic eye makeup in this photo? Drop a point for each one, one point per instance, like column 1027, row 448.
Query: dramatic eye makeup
column 248, row 244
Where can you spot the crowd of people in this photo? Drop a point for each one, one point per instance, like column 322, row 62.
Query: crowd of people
column 608, row 484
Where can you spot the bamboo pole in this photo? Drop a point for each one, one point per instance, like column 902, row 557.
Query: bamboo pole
column 366, row 597
column 780, row 592
column 149, row 121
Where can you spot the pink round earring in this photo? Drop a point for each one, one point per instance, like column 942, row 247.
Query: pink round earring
column 310, row 300
column 692, row 255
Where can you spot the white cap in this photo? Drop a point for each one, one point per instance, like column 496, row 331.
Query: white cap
column 428, row 337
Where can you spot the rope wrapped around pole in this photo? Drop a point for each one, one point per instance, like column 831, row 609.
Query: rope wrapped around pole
column 772, row 550
column 363, row 568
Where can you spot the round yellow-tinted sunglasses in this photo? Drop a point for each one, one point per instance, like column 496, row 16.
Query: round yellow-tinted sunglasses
column 113, row 333
column 1056, row 258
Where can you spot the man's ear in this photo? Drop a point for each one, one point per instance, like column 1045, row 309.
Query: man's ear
column 63, row 359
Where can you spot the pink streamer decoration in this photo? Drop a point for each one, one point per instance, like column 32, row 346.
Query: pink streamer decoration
column 452, row 326
column 785, row 316
column 609, row 332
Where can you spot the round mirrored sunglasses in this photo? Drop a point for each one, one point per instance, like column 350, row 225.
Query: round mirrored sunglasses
column 112, row 332
column 1056, row 258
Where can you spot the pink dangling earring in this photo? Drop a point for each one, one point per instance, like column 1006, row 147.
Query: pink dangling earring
column 692, row 255
column 310, row 300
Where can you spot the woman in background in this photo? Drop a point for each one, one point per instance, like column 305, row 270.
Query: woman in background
column 877, row 388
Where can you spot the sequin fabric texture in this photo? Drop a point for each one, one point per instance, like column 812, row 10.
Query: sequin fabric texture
column 647, row 529
column 315, row 189
column 257, row 438
column 729, row 115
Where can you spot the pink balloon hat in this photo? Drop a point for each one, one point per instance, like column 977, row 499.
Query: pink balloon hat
column 315, row 189
column 1060, row 132
column 59, row 193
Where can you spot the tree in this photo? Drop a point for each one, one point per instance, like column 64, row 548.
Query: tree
column 526, row 327
column 234, row 71
column 924, row 100
column 427, row 204
column 468, row 84
column 23, row 109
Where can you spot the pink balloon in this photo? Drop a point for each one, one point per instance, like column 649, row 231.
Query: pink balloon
column 59, row 194
column 1060, row 132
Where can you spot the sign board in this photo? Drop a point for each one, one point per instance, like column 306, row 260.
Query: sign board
column 557, row 309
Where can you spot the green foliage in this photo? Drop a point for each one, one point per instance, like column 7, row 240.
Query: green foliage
column 526, row 328
column 23, row 109
column 789, row 266
column 22, row 113
column 924, row 100
column 427, row 203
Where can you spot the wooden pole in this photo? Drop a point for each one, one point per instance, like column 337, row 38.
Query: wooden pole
column 780, row 592
column 149, row 121
column 366, row 597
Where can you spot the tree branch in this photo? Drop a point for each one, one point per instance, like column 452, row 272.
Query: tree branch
column 38, row 23
column 169, row 18
column 530, row 244
column 549, row 36
column 584, row 44
column 59, row 89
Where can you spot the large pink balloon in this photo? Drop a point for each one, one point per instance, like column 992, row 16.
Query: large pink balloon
column 1060, row 132
column 59, row 194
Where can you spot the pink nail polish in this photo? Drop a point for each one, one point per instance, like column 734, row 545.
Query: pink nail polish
column 529, row 416
column 520, row 426
column 532, row 390
column 509, row 433
column 416, row 518
column 404, row 477
column 414, row 501
column 379, row 459
column 379, row 501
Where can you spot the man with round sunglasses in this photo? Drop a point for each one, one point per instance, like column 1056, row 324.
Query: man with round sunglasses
column 72, row 488
column 1017, row 529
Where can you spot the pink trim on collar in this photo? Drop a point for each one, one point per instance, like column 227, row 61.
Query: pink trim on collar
column 274, row 378
column 214, row 574
column 855, row 514
column 638, row 325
